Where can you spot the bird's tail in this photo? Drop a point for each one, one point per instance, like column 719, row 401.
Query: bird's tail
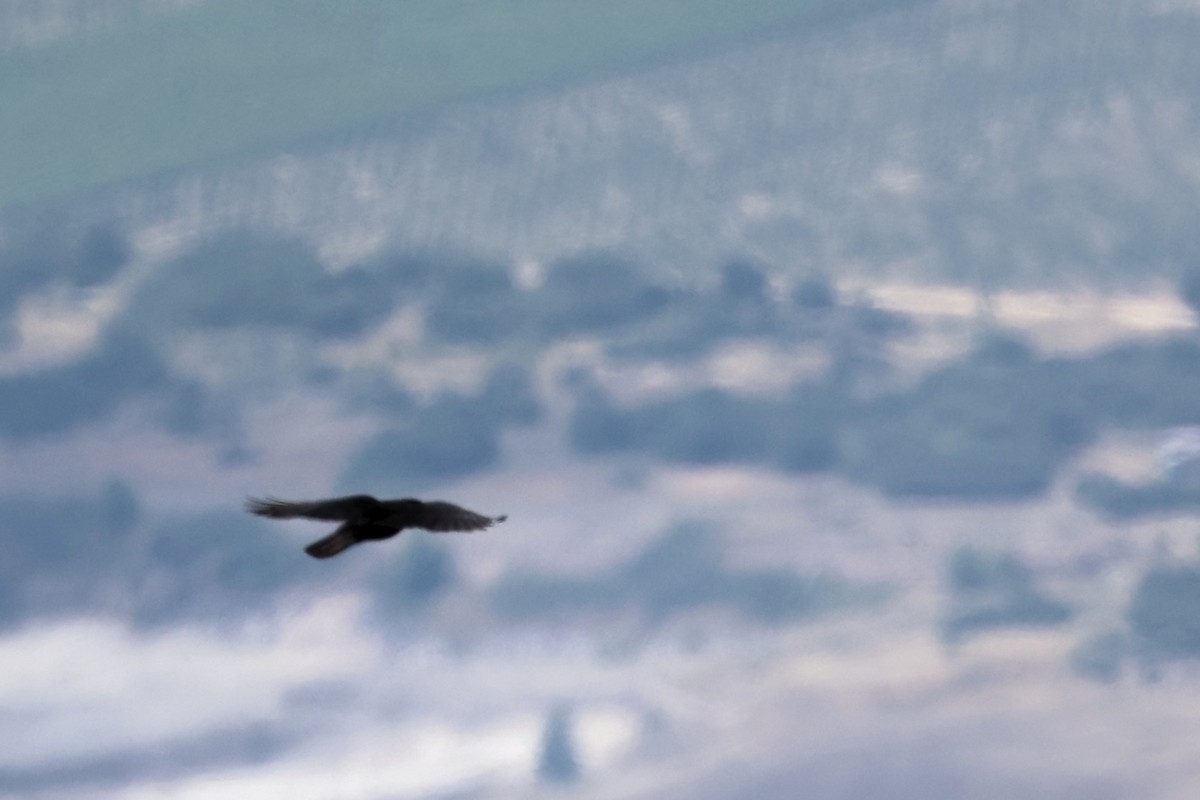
column 332, row 544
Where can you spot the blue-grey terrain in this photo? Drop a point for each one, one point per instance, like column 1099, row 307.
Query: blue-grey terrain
column 841, row 384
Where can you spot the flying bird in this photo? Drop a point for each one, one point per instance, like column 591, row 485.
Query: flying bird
column 365, row 518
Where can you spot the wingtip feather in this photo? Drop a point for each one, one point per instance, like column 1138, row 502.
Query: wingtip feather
column 265, row 506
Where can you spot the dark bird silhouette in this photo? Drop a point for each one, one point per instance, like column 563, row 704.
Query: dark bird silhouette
column 364, row 518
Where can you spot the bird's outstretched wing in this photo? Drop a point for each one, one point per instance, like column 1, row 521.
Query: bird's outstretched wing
column 329, row 546
column 353, row 507
column 443, row 517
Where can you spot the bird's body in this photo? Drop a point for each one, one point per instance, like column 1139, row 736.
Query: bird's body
column 365, row 518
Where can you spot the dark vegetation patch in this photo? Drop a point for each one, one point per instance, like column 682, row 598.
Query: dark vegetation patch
column 216, row 566
column 1161, row 624
column 60, row 398
column 999, row 423
column 1119, row 500
column 449, row 437
column 685, row 569
column 40, row 250
column 1164, row 612
column 994, row 590
column 242, row 280
column 65, row 553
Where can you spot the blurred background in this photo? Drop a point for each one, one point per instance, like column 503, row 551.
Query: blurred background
column 836, row 363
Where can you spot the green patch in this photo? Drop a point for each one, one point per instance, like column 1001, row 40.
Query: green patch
column 231, row 77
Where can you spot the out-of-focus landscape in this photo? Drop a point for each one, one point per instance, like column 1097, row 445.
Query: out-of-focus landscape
column 837, row 365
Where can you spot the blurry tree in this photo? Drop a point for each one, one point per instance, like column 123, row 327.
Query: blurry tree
column 65, row 396
column 708, row 426
column 807, row 429
column 46, row 248
column 120, row 510
column 741, row 306
column 993, row 425
column 65, row 553
column 778, row 595
column 521, row 596
column 451, row 436
column 414, row 269
column 1164, row 612
column 191, row 409
column 703, row 427
column 974, row 571
column 558, row 762
column 25, row 262
column 815, row 293
column 1002, row 349
column 596, row 291
column 742, row 280
column 446, row 440
column 1120, row 501
column 599, row 426
column 995, row 590
column 424, row 570
column 12, row 605
column 216, row 565
column 57, row 534
column 998, row 423
column 1152, row 383
column 509, row 396
column 243, row 278
column 101, row 252
column 477, row 302
column 683, row 569
column 1189, row 288
column 1100, row 658
column 372, row 390
column 878, row 323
